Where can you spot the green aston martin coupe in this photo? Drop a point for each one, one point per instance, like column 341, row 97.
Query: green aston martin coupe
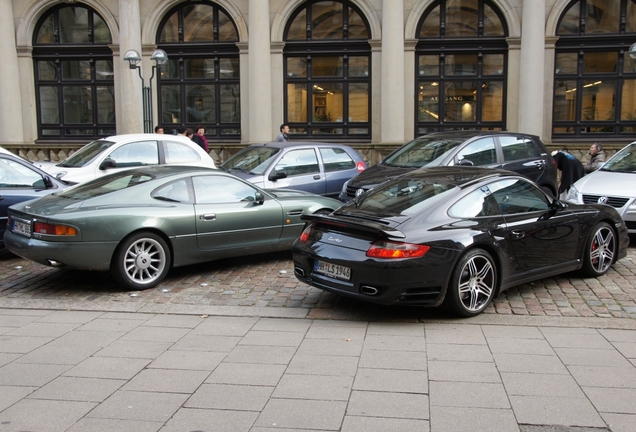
column 141, row 222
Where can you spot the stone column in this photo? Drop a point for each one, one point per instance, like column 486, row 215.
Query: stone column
column 10, row 99
column 392, row 93
column 532, row 68
column 129, row 96
column 260, row 75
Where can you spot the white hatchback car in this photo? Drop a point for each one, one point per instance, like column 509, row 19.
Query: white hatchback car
column 613, row 184
column 118, row 152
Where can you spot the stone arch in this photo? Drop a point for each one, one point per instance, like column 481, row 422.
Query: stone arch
column 37, row 8
column 553, row 17
column 283, row 15
column 505, row 7
column 151, row 24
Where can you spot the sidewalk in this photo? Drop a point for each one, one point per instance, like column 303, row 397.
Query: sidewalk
column 259, row 369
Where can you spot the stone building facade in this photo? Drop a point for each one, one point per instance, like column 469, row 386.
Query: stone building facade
column 376, row 73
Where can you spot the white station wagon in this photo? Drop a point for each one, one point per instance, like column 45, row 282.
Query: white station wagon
column 118, row 152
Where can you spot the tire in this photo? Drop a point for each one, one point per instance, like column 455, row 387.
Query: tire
column 473, row 284
column 600, row 250
column 141, row 261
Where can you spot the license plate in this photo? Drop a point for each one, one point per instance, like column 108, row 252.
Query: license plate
column 21, row 227
column 332, row 270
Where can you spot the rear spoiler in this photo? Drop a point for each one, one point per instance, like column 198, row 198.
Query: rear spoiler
column 356, row 223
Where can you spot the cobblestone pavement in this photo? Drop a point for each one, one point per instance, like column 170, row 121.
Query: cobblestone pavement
column 268, row 281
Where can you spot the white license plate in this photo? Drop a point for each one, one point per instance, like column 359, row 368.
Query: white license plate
column 332, row 270
column 20, row 227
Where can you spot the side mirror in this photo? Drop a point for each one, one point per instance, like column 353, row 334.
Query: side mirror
column 466, row 162
column 276, row 175
column 259, row 198
column 108, row 163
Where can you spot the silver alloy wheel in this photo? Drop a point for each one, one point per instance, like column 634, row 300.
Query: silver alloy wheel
column 144, row 261
column 476, row 283
column 602, row 249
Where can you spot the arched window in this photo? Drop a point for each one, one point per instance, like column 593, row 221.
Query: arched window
column 328, row 71
column 73, row 74
column 594, row 77
column 199, row 85
column 461, row 67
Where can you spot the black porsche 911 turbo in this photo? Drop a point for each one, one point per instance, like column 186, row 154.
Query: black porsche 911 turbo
column 454, row 236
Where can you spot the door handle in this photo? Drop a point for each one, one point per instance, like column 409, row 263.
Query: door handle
column 317, row 177
column 518, row 234
column 208, row 216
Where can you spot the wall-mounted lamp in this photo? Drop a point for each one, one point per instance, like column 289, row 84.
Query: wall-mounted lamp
column 632, row 51
column 133, row 58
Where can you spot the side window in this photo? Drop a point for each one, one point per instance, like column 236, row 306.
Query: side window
column 518, row 196
column 336, row 159
column 517, row 148
column 480, row 152
column 475, row 204
column 174, row 191
column 15, row 175
column 299, row 162
column 177, row 153
column 136, row 154
column 215, row 189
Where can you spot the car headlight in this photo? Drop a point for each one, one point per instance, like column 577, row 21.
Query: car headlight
column 573, row 195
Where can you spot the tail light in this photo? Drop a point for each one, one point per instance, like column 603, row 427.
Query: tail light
column 53, row 229
column 388, row 249
column 361, row 166
column 305, row 234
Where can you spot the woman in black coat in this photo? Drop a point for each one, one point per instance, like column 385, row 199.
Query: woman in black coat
column 571, row 170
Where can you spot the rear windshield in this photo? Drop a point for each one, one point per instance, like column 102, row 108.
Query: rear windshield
column 623, row 161
column 105, row 185
column 403, row 196
column 86, row 154
column 422, row 152
column 253, row 160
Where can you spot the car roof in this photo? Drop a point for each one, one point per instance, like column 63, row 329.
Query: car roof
column 288, row 144
column 160, row 171
column 459, row 175
column 474, row 133
column 145, row 136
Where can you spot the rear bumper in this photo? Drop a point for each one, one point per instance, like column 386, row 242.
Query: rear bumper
column 76, row 255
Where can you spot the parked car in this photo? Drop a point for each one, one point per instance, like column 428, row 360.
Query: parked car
column 140, row 222
column 21, row 181
column 454, row 236
column 313, row 167
column 521, row 153
column 119, row 152
column 613, row 184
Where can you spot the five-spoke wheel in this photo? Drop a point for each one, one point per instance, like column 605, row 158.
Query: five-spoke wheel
column 600, row 250
column 473, row 284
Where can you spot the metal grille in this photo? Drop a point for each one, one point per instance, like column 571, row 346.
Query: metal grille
column 616, row 202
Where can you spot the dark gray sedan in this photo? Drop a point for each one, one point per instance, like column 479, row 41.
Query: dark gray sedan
column 141, row 222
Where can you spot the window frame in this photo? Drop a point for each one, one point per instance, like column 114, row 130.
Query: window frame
column 443, row 47
column 57, row 53
column 181, row 52
column 311, row 49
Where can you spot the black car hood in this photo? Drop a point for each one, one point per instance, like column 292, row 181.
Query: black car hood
column 377, row 174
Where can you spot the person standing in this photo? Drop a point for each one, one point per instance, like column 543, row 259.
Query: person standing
column 199, row 138
column 571, row 170
column 283, row 135
column 158, row 129
column 597, row 157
